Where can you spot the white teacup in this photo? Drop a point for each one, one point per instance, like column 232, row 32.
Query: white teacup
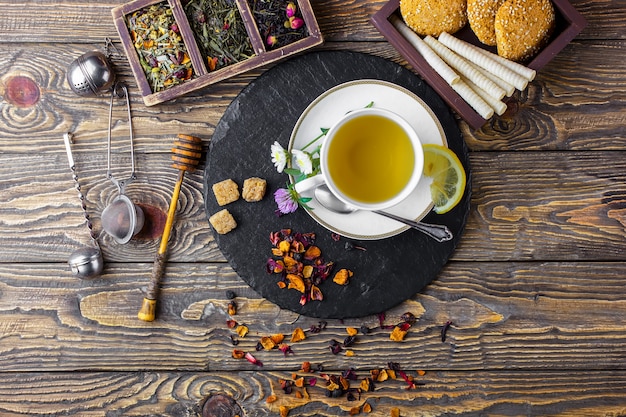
column 371, row 159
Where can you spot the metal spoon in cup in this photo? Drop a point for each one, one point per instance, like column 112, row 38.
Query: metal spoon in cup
column 325, row 197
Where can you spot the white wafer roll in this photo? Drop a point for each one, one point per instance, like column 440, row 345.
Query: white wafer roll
column 508, row 88
column 520, row 69
column 496, row 105
column 473, row 99
column 463, row 67
column 470, row 53
column 429, row 55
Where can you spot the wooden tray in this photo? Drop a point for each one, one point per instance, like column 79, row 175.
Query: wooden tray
column 202, row 76
column 569, row 23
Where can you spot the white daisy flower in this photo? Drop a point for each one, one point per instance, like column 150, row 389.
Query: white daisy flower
column 303, row 161
column 279, row 156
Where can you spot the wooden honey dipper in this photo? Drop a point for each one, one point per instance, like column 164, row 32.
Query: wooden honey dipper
column 187, row 151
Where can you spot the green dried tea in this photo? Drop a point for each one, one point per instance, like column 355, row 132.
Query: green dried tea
column 162, row 52
column 220, row 32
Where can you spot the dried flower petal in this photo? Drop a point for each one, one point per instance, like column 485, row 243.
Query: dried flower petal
column 395, row 412
column 367, row 408
column 277, row 338
column 397, row 335
column 355, row 410
column 232, row 308
column 270, row 399
column 316, row 293
column 306, row 367
column 238, row 354
column 349, row 353
column 297, row 335
column 299, row 382
column 284, row 410
column 296, row 283
column 252, row 359
column 342, row 276
column 351, row 331
column 231, row 324
column 285, row 348
column 267, row 343
column 242, row 331
column 312, row 252
column 382, row 376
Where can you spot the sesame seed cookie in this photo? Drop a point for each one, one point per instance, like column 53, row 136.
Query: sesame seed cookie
column 431, row 17
column 523, row 27
column 481, row 15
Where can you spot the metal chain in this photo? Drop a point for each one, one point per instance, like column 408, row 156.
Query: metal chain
column 68, row 138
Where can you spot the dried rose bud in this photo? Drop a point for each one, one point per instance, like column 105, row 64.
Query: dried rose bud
column 291, row 9
column 296, row 23
column 174, row 28
column 271, row 40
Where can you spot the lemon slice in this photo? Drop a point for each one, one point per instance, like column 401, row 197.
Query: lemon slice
column 447, row 174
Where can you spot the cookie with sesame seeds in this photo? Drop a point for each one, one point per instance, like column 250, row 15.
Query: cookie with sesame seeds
column 432, row 17
column 523, row 27
column 481, row 15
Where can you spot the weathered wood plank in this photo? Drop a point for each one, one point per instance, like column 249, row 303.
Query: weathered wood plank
column 506, row 316
column 573, row 208
column 90, row 22
column 177, row 394
column 547, row 115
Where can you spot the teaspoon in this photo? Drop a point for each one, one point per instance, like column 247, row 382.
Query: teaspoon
column 323, row 195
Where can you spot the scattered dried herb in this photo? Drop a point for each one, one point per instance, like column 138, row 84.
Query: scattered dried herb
column 280, row 22
column 351, row 246
column 299, row 263
column 232, row 308
column 219, row 31
column 160, row 47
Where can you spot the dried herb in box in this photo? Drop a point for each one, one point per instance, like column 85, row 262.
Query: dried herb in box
column 162, row 52
column 220, row 32
column 280, row 22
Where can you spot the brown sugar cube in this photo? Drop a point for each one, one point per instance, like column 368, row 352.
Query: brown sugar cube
column 254, row 189
column 226, row 192
column 223, row 222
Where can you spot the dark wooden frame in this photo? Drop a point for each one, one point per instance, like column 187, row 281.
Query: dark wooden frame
column 202, row 77
column 569, row 23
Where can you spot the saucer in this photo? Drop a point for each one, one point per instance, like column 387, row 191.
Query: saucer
column 329, row 107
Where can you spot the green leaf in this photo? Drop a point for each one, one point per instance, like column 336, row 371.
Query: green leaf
column 292, row 171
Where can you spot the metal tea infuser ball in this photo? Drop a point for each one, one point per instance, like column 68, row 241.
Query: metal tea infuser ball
column 121, row 219
column 85, row 262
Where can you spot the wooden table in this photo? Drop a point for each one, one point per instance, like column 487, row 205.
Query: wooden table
column 535, row 290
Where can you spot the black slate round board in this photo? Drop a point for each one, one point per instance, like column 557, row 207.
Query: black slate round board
column 390, row 270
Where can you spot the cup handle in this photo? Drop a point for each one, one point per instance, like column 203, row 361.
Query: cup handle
column 310, row 183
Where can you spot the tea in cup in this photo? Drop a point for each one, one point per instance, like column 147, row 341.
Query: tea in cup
column 370, row 159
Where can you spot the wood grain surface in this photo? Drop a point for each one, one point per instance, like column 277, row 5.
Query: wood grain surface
column 535, row 291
